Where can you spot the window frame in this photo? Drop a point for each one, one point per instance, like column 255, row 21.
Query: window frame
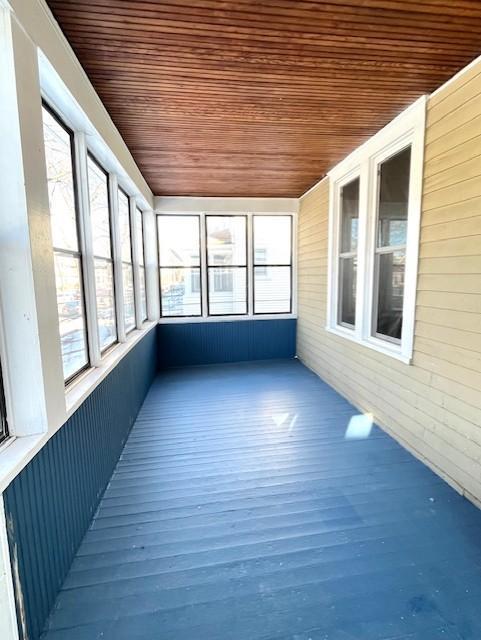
column 234, row 209
column 4, row 428
column 272, row 265
column 335, row 239
column 139, row 258
column 80, row 254
column 229, row 267
column 107, row 349
column 160, row 267
column 406, row 130
column 123, row 263
column 391, row 249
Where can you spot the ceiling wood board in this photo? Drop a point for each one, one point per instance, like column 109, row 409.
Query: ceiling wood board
column 244, row 98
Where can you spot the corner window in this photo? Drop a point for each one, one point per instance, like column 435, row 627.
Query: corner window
column 179, row 262
column 375, row 202
column 102, row 253
column 272, row 243
column 126, row 257
column 225, row 265
column 58, row 141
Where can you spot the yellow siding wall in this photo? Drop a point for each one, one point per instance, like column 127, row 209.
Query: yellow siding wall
column 432, row 406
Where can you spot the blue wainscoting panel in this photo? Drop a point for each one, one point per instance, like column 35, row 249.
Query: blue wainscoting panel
column 218, row 342
column 50, row 504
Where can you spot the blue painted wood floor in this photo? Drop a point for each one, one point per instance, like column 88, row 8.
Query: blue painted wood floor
column 243, row 508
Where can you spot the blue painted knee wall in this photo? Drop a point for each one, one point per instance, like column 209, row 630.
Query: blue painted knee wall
column 196, row 343
column 50, row 504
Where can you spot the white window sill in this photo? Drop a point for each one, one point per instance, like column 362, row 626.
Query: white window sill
column 200, row 319
column 15, row 453
column 381, row 346
column 83, row 386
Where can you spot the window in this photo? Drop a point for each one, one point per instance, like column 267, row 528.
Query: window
column 390, row 251
column 126, row 257
column 227, row 265
column 58, row 142
column 375, row 202
column 3, row 411
column 179, row 261
column 349, row 219
column 139, row 222
column 102, row 253
column 272, row 264
column 216, row 265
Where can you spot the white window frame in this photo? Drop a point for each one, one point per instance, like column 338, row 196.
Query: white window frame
column 138, row 260
column 406, row 130
column 225, row 212
column 88, row 140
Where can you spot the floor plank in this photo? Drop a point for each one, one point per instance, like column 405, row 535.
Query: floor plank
column 252, row 502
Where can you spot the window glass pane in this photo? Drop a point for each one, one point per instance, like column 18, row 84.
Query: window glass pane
column 347, row 290
column 272, row 289
column 99, row 210
column 393, row 200
column 179, row 241
column 73, row 335
column 104, row 284
column 390, row 292
column 143, row 296
column 349, row 216
column 129, row 306
column 227, row 290
column 272, row 240
column 226, row 240
column 140, row 237
column 124, row 227
column 178, row 296
column 61, row 191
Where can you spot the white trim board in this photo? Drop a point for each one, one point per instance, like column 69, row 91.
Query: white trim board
column 187, row 204
column 8, row 613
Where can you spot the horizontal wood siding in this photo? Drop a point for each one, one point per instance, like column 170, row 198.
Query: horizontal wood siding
column 432, row 406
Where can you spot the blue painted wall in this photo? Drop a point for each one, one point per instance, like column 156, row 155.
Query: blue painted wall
column 217, row 342
column 50, row 504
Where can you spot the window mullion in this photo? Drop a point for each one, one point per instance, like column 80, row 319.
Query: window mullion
column 117, row 256
column 363, row 304
column 85, row 239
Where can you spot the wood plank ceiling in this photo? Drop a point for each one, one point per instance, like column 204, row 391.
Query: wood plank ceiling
column 261, row 97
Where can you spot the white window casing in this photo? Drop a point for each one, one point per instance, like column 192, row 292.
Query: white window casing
column 405, row 130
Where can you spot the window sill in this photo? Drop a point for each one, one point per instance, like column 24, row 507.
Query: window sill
column 199, row 319
column 15, row 453
column 386, row 348
column 83, row 386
